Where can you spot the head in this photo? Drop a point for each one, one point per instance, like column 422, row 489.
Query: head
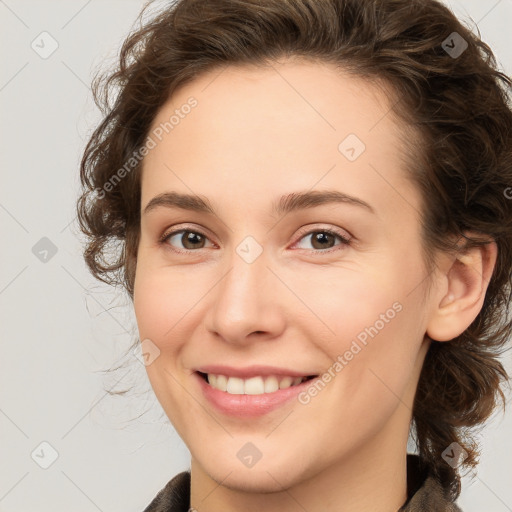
column 242, row 103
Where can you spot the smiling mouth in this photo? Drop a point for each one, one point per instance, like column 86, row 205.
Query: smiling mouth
column 257, row 385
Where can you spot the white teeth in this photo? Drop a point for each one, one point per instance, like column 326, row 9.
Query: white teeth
column 271, row 384
column 286, row 382
column 252, row 386
column 221, row 381
column 235, row 386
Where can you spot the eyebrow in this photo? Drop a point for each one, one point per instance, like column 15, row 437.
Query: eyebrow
column 285, row 204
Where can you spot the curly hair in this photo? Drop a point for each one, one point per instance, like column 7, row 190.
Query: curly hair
column 461, row 160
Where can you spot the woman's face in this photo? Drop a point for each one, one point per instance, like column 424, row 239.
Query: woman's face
column 252, row 285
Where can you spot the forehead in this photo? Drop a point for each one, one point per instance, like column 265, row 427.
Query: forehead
column 283, row 127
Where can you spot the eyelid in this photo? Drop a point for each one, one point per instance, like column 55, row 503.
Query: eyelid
column 180, row 229
column 344, row 236
column 307, row 230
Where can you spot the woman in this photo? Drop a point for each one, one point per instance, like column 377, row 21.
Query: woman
column 312, row 206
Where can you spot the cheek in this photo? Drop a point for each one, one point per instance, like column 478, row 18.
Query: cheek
column 148, row 306
column 375, row 323
column 161, row 302
column 379, row 360
column 165, row 300
column 346, row 301
column 372, row 372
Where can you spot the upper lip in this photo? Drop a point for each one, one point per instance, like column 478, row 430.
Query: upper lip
column 252, row 371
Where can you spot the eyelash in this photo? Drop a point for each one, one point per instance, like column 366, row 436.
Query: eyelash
column 344, row 240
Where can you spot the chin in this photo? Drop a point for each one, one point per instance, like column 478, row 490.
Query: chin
column 263, row 478
column 259, row 482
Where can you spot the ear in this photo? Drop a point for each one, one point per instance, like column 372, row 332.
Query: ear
column 464, row 281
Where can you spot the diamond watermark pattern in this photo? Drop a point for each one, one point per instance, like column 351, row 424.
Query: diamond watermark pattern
column 352, row 147
column 44, row 250
column 455, row 45
column 44, row 455
column 146, row 352
column 44, row 45
column 249, row 249
column 454, row 455
column 249, row 455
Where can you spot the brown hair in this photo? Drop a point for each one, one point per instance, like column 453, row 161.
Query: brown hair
column 461, row 161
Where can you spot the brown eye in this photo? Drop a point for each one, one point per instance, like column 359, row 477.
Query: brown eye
column 323, row 239
column 188, row 239
column 191, row 240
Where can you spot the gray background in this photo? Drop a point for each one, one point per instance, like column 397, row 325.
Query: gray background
column 59, row 328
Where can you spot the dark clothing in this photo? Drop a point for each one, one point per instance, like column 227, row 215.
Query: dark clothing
column 425, row 493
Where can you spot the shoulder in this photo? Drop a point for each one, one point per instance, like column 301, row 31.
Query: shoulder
column 425, row 492
column 174, row 497
column 429, row 497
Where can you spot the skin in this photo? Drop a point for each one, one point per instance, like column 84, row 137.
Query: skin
column 255, row 135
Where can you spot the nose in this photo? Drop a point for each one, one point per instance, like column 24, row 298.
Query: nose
column 246, row 304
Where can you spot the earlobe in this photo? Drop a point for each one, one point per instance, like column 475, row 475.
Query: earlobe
column 465, row 286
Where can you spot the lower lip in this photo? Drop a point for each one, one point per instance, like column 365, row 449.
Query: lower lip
column 249, row 406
